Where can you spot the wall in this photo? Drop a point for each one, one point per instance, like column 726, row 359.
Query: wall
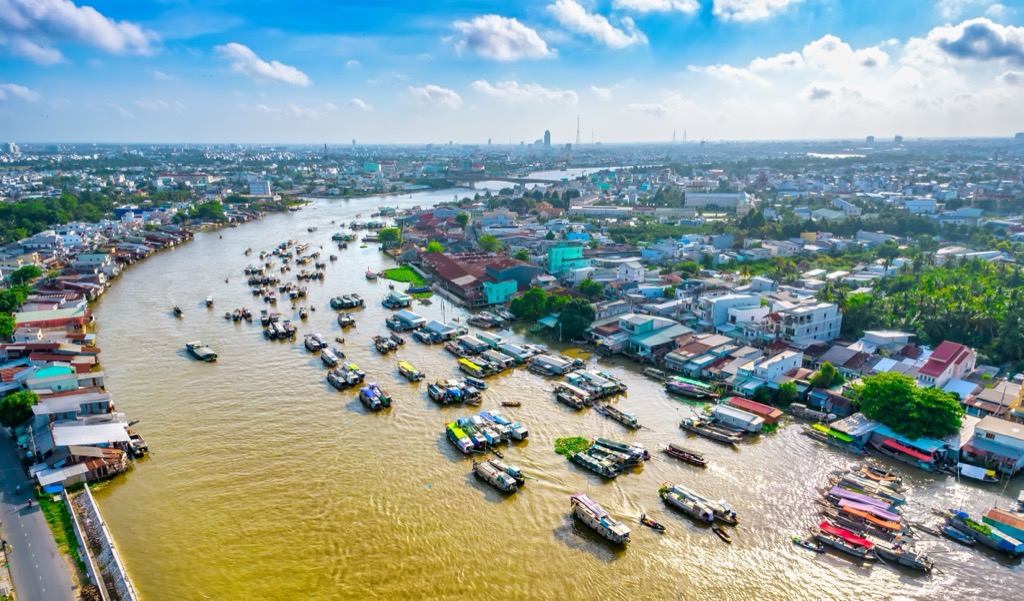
column 83, row 548
column 108, row 560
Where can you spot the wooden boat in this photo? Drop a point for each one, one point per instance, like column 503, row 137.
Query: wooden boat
column 684, row 454
column 594, row 516
column 209, row 301
column 626, row 419
column 722, row 534
column 959, row 537
column 177, row 311
column 845, row 541
column 809, row 544
column 200, row 351
column 370, row 275
column 511, row 403
column 700, row 427
column 653, row 525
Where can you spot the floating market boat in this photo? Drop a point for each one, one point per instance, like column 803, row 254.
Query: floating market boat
column 516, row 430
column 722, row 534
column 409, row 372
column 721, row 508
column 475, row 382
column 513, row 471
column 459, row 438
column 692, row 508
column 634, row 453
column 345, row 320
column 511, row 404
column 703, row 428
column 601, row 466
column 809, row 544
column 314, row 342
column 986, row 535
column 845, row 541
column 690, row 390
column 328, row 357
column 626, row 419
column 904, row 555
column 681, row 452
column 959, row 537
column 594, row 516
column 200, row 351
column 493, row 476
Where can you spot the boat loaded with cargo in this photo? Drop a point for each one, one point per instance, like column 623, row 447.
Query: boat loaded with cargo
column 705, row 428
column 684, row 454
column 721, row 508
column 694, row 509
column 200, row 351
column 490, row 474
column 409, row 372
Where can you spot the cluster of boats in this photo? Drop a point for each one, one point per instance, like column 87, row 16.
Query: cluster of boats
column 345, row 376
column 861, row 517
column 238, row 315
column 385, row 345
column 609, row 458
column 374, row 398
column 503, row 476
column 347, row 301
column 698, row 506
column 275, row 328
column 581, row 388
column 961, row 528
column 497, row 318
column 453, row 391
column 483, row 431
column 692, row 389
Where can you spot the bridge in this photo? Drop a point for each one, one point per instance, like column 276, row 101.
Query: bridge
column 469, row 179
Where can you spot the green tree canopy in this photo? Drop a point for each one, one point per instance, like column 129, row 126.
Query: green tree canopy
column 13, row 298
column 390, row 235
column 25, row 273
column 462, row 219
column 788, row 394
column 435, row 247
column 522, row 254
column 16, row 408
column 530, row 305
column 827, row 377
column 489, row 243
column 590, row 288
column 7, row 324
column 895, row 400
column 575, row 318
column 208, row 211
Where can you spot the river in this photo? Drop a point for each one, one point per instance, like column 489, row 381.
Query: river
column 265, row 483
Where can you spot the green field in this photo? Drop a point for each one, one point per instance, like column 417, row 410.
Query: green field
column 59, row 520
column 403, row 274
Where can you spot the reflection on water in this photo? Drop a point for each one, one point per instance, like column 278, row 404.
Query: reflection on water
column 265, row 483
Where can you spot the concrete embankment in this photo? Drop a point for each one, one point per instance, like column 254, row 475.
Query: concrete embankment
column 103, row 562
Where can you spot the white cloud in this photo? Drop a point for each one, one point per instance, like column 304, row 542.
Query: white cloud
column 729, row 73
column 954, row 9
column 779, row 62
column 351, row 63
column 976, row 39
column 288, row 110
column 829, row 53
column 361, row 104
column 600, row 92
column 658, row 6
column 330, row 106
column 1011, row 78
column 499, row 38
column 157, row 105
column 750, row 10
column 434, row 95
column 28, row 27
column 573, row 16
column 670, row 105
column 26, row 48
column 157, row 74
column 245, row 61
column 121, row 110
column 512, row 91
column 13, row 90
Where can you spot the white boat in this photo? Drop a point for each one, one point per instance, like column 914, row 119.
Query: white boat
column 593, row 515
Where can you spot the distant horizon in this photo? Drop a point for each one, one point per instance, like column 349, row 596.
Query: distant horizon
column 615, row 71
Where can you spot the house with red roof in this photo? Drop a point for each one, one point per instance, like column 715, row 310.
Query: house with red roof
column 949, row 360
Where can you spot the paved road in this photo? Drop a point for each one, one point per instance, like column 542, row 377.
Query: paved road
column 37, row 568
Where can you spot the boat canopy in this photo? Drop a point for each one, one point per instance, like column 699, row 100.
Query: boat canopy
column 833, row 433
column 842, row 493
column 905, row 449
column 872, row 509
column 591, row 506
column 864, row 515
column 846, row 535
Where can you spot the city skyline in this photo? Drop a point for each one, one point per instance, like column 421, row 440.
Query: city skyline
column 629, row 70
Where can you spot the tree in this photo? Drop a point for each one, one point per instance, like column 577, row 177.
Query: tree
column 530, row 305
column 16, row 408
column 575, row 318
column 522, row 254
column 589, row 287
column 390, row 235
column 762, row 395
column 11, row 300
column 209, row 211
column 489, row 243
column 669, row 292
column 827, row 377
column 435, row 247
column 25, row 273
column 895, row 400
column 462, row 219
column 7, row 324
column 788, row 394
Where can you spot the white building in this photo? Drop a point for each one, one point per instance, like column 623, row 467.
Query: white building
column 632, row 271
column 806, row 323
column 259, row 187
column 713, row 312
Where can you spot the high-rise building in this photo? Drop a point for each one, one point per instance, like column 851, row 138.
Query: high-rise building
column 898, row 139
column 870, row 139
column 12, row 148
column 547, row 138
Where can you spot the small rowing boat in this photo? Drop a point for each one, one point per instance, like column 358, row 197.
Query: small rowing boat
column 722, row 534
column 653, row 525
column 511, row 404
column 958, row 536
column 807, row 544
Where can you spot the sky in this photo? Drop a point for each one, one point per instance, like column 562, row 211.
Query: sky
column 469, row 71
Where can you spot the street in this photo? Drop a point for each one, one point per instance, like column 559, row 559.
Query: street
column 37, row 568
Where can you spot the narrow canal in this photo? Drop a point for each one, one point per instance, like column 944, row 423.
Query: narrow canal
column 266, row 483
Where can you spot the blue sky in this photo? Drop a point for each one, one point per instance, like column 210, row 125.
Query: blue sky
column 470, row 70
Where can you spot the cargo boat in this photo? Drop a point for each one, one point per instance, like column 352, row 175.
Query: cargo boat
column 594, row 516
column 703, row 428
column 721, row 508
column 409, row 372
column 200, row 351
column 626, row 419
column 459, row 438
column 493, row 476
column 684, row 454
column 692, row 508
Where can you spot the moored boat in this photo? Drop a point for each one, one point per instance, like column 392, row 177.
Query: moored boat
column 626, row 419
column 594, row 516
column 689, row 506
column 959, row 537
column 721, row 508
column 722, row 534
column 409, row 372
column 200, row 351
column 703, row 428
column 459, row 438
column 845, row 541
column 684, row 454
column 495, row 477
column 809, row 544
column 603, row 467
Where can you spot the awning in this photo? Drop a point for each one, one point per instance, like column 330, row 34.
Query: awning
column 846, row 535
column 905, row 449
